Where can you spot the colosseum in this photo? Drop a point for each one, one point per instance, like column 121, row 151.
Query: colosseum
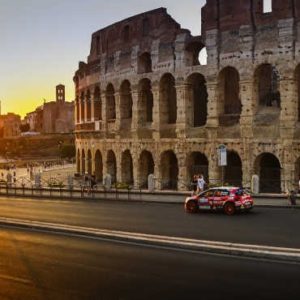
column 145, row 105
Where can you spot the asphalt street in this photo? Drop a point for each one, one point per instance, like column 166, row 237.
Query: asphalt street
column 263, row 226
column 45, row 266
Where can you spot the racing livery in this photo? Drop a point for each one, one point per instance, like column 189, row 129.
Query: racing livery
column 228, row 199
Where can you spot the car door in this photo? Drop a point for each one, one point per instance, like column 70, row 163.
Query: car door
column 205, row 199
column 220, row 196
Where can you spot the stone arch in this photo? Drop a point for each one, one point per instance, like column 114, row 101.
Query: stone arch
column 146, row 167
column 168, row 99
column 266, row 81
column 268, row 167
column 89, row 162
column 169, row 170
column 197, row 163
column 199, row 99
column 297, row 91
column 97, row 104
column 82, row 108
column 233, row 172
column 145, row 63
column 111, row 165
column 127, row 168
column 193, row 49
column 230, row 106
column 78, row 161
column 125, row 103
column 82, row 162
column 297, row 173
column 98, row 166
column 203, row 56
column 88, row 106
column 110, row 102
column 145, row 104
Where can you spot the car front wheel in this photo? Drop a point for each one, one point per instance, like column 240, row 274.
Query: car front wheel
column 191, row 207
column 229, row 209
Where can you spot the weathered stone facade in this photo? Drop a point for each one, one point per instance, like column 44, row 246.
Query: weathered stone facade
column 145, row 105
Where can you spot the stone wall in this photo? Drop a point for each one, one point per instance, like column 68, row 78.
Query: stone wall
column 247, row 96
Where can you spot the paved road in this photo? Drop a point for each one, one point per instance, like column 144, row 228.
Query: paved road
column 49, row 267
column 274, row 227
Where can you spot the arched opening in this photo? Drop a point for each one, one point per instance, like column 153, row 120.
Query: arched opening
column 82, row 162
column 125, row 104
column 197, row 164
column 229, row 96
column 110, row 103
column 145, row 63
column 267, row 84
column 98, row 166
column 89, row 162
column 168, row 100
column 199, row 99
column 111, row 165
column 97, row 104
column 169, row 171
column 267, row 166
column 233, row 172
column 145, row 102
column 146, row 167
column 127, row 168
column 78, row 161
column 82, row 109
column 193, row 49
column 88, row 106
column 203, row 57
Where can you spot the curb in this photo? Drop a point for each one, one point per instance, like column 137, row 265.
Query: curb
column 235, row 249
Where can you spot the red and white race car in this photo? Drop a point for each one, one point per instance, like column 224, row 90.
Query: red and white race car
column 228, row 199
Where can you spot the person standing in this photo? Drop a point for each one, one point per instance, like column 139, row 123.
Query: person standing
column 200, row 183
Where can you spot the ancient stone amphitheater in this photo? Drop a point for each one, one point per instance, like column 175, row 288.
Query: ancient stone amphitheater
column 145, row 105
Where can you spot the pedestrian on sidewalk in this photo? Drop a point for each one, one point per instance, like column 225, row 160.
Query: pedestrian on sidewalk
column 200, row 183
column 292, row 196
column 194, row 184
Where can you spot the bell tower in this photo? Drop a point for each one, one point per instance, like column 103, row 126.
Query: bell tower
column 60, row 93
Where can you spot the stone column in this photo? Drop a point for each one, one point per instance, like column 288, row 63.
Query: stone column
column 182, row 172
column 288, row 115
column 247, row 114
column 135, row 112
column 104, row 111
column 214, row 171
column 156, row 112
column 119, row 165
column 92, row 103
column 135, row 164
column 212, row 109
column 118, row 111
column 182, row 110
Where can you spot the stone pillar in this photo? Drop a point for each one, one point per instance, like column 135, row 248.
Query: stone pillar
column 288, row 115
column 156, row 112
column 182, row 172
column 247, row 99
column 118, row 111
column 214, row 171
column 119, row 165
column 92, row 103
column 135, row 114
column 104, row 112
column 157, row 171
column 135, row 165
column 212, row 109
column 182, row 110
column 85, row 110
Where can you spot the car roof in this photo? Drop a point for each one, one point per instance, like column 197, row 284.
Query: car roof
column 225, row 188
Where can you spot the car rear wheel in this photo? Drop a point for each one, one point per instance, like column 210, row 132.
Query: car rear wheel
column 229, row 209
column 191, row 207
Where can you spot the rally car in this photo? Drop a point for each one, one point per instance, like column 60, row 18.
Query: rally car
column 228, row 199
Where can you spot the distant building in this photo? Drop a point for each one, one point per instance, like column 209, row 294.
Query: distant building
column 10, row 125
column 53, row 117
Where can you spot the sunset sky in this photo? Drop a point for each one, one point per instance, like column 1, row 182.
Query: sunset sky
column 42, row 42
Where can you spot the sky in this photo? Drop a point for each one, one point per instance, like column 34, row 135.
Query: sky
column 42, row 41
